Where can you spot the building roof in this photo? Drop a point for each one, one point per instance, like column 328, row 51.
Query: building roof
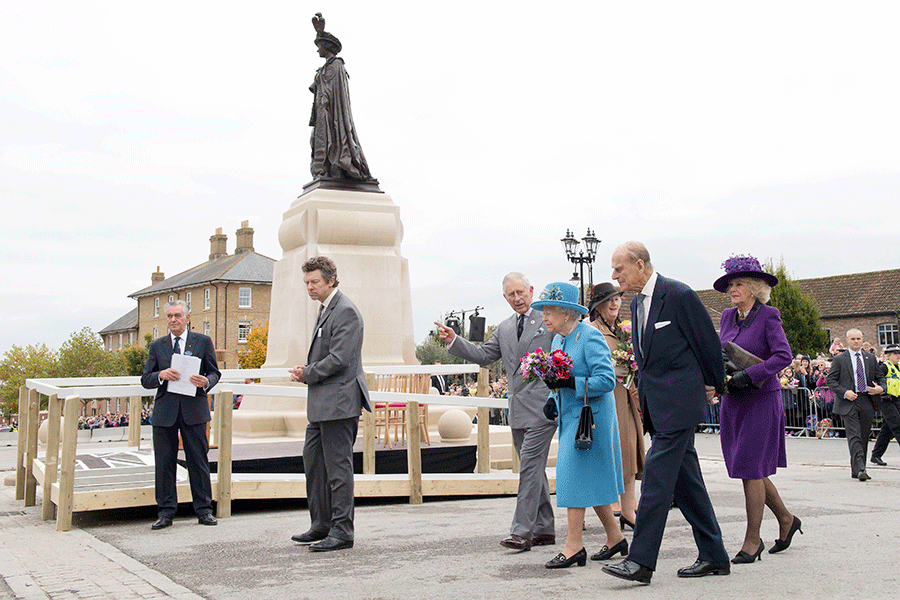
column 248, row 267
column 126, row 322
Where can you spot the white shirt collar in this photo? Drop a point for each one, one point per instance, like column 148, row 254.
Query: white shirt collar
column 183, row 337
column 329, row 298
column 650, row 285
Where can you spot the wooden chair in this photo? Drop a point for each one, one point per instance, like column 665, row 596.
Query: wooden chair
column 393, row 414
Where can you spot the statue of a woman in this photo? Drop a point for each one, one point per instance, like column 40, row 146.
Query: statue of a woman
column 336, row 152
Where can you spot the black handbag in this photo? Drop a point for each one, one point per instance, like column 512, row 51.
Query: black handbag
column 584, row 435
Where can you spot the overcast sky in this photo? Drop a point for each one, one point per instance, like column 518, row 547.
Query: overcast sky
column 130, row 131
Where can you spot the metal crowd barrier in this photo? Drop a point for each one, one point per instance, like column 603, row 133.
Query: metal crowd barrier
column 806, row 414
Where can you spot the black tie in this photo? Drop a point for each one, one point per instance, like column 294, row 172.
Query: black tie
column 176, row 349
column 520, row 326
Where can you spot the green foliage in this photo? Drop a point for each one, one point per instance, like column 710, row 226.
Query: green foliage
column 253, row 355
column 799, row 313
column 19, row 364
column 433, row 350
column 135, row 357
column 82, row 355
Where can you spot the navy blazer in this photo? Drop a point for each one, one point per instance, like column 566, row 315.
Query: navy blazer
column 681, row 355
column 194, row 410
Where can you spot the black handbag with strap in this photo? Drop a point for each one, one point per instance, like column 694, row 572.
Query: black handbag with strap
column 584, row 435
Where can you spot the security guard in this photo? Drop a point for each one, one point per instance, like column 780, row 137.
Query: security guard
column 890, row 404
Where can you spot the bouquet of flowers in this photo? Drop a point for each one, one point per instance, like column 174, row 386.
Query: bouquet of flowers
column 623, row 354
column 546, row 367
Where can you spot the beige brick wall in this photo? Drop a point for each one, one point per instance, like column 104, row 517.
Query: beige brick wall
column 868, row 326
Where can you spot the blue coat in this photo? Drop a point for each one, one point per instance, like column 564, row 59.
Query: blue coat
column 588, row 477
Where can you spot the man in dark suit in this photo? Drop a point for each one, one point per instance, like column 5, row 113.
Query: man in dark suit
column 336, row 396
column 178, row 412
column 439, row 382
column 680, row 368
column 532, row 431
column 857, row 383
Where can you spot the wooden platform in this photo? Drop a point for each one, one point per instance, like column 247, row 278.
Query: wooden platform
column 125, row 478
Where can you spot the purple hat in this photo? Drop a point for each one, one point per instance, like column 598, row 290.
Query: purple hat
column 742, row 266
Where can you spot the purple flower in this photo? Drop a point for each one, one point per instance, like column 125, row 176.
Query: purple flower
column 739, row 263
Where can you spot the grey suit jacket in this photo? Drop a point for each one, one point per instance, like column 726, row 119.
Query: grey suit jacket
column 526, row 400
column 334, row 372
column 842, row 377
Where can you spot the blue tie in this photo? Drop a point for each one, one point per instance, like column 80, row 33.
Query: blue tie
column 860, row 375
column 176, row 349
column 640, row 319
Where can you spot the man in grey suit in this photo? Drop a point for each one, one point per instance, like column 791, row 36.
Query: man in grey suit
column 857, row 383
column 337, row 394
column 532, row 431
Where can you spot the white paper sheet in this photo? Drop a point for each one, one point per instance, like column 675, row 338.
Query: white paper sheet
column 186, row 366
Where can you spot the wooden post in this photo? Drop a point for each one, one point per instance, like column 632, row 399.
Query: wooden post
column 484, row 419
column 34, row 422
column 67, row 464
column 224, row 409
column 134, row 421
column 414, row 452
column 51, row 456
column 21, row 438
column 369, row 431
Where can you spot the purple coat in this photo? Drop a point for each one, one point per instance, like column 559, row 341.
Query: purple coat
column 752, row 420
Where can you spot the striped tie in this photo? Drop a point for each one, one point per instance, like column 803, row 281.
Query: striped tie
column 860, row 374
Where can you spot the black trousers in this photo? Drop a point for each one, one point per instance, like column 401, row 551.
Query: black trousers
column 858, row 425
column 165, row 453
column 890, row 427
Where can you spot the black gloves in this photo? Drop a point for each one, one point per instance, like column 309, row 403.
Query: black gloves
column 555, row 384
column 739, row 381
column 550, row 409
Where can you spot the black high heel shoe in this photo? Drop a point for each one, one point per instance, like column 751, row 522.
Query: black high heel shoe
column 742, row 557
column 561, row 562
column 606, row 552
column 785, row 544
column 623, row 522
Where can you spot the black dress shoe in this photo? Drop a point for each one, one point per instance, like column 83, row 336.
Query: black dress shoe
column 701, row 568
column 863, row 476
column 630, row 570
column 207, row 519
column 516, row 542
column 785, row 544
column 744, row 557
column 162, row 523
column 543, row 539
column 561, row 562
column 623, row 522
column 330, row 543
column 876, row 460
column 308, row 537
column 607, row 553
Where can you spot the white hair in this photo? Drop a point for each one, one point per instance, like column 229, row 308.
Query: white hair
column 515, row 276
column 181, row 303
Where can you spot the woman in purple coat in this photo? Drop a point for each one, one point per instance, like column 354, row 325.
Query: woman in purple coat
column 752, row 413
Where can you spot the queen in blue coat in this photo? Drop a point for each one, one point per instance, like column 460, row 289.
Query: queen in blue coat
column 591, row 477
column 751, row 417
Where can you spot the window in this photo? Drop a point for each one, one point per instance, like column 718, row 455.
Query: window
column 156, row 307
column 206, row 299
column 171, row 298
column 131, row 338
column 245, row 297
column 120, row 341
column 243, row 331
column 205, row 327
column 155, row 332
column 187, row 300
column 888, row 333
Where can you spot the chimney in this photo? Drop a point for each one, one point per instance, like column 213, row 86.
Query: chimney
column 217, row 244
column 244, row 238
column 157, row 277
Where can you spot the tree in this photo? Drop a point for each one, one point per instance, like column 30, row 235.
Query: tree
column 433, row 350
column 82, row 355
column 253, row 355
column 136, row 356
column 799, row 313
column 19, row 364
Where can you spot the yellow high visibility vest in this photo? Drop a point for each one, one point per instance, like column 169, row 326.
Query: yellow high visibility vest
column 893, row 379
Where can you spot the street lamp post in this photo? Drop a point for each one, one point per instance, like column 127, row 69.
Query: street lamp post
column 581, row 257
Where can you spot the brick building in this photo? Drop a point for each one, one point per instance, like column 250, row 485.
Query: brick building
column 228, row 295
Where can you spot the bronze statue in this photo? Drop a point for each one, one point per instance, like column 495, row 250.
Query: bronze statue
column 337, row 157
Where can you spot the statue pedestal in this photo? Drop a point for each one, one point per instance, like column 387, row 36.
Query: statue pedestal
column 361, row 232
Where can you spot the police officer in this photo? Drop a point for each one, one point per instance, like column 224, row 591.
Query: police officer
column 890, row 404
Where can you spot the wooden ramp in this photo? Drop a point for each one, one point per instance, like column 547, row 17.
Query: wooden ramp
column 125, row 478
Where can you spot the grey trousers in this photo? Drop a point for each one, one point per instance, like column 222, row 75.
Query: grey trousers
column 328, row 464
column 858, row 426
column 534, row 511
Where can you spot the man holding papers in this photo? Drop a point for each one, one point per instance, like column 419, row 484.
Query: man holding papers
column 182, row 366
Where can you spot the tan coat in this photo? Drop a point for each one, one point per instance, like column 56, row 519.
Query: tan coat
column 631, row 432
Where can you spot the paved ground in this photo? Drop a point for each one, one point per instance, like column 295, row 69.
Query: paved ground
column 448, row 549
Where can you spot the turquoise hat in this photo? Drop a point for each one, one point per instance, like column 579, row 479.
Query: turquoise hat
column 561, row 294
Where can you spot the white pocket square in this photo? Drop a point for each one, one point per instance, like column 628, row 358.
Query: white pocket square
column 661, row 324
